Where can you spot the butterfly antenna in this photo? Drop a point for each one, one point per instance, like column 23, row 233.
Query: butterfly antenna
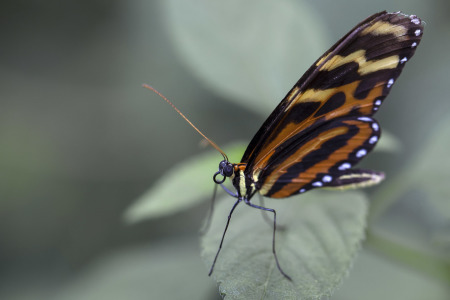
column 187, row 120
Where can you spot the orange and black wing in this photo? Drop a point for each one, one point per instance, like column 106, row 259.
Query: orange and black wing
column 322, row 158
column 317, row 127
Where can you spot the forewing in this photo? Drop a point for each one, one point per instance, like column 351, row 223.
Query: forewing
column 320, row 158
column 351, row 79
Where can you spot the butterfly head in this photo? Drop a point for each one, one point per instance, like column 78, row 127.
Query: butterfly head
column 226, row 169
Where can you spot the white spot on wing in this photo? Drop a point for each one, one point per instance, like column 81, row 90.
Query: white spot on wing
column 415, row 20
column 302, row 191
column 361, row 153
column 375, row 126
column 327, row 178
column 365, row 119
column 413, row 45
column 317, row 183
column 377, row 102
column 417, row 32
column 390, row 82
column 403, row 60
column 344, row 166
column 373, row 139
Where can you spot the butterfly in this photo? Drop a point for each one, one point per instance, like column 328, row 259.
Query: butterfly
column 323, row 127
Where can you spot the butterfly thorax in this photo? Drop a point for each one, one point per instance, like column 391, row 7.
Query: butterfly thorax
column 244, row 184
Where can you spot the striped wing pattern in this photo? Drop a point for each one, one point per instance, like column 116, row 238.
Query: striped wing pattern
column 323, row 126
column 320, row 157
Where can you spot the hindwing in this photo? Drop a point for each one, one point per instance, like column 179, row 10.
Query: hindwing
column 319, row 158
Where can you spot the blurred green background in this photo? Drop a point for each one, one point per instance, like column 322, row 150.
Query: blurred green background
column 81, row 140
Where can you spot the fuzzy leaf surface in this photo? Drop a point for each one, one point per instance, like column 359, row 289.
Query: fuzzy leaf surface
column 322, row 234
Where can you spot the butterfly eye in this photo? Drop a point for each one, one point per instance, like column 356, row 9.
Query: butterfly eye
column 226, row 168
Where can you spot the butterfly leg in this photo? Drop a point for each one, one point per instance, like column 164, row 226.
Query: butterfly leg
column 223, row 235
column 273, row 237
column 264, row 214
column 228, row 191
column 211, row 208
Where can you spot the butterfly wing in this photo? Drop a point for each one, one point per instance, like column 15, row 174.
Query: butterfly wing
column 322, row 158
column 324, row 120
column 350, row 79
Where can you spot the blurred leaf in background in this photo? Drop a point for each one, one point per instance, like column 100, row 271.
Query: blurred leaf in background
column 181, row 187
column 235, row 53
column 132, row 274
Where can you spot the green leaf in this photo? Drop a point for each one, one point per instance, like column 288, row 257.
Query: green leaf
column 374, row 277
column 431, row 168
column 183, row 186
column 169, row 270
column 323, row 231
column 423, row 185
column 427, row 172
column 250, row 51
